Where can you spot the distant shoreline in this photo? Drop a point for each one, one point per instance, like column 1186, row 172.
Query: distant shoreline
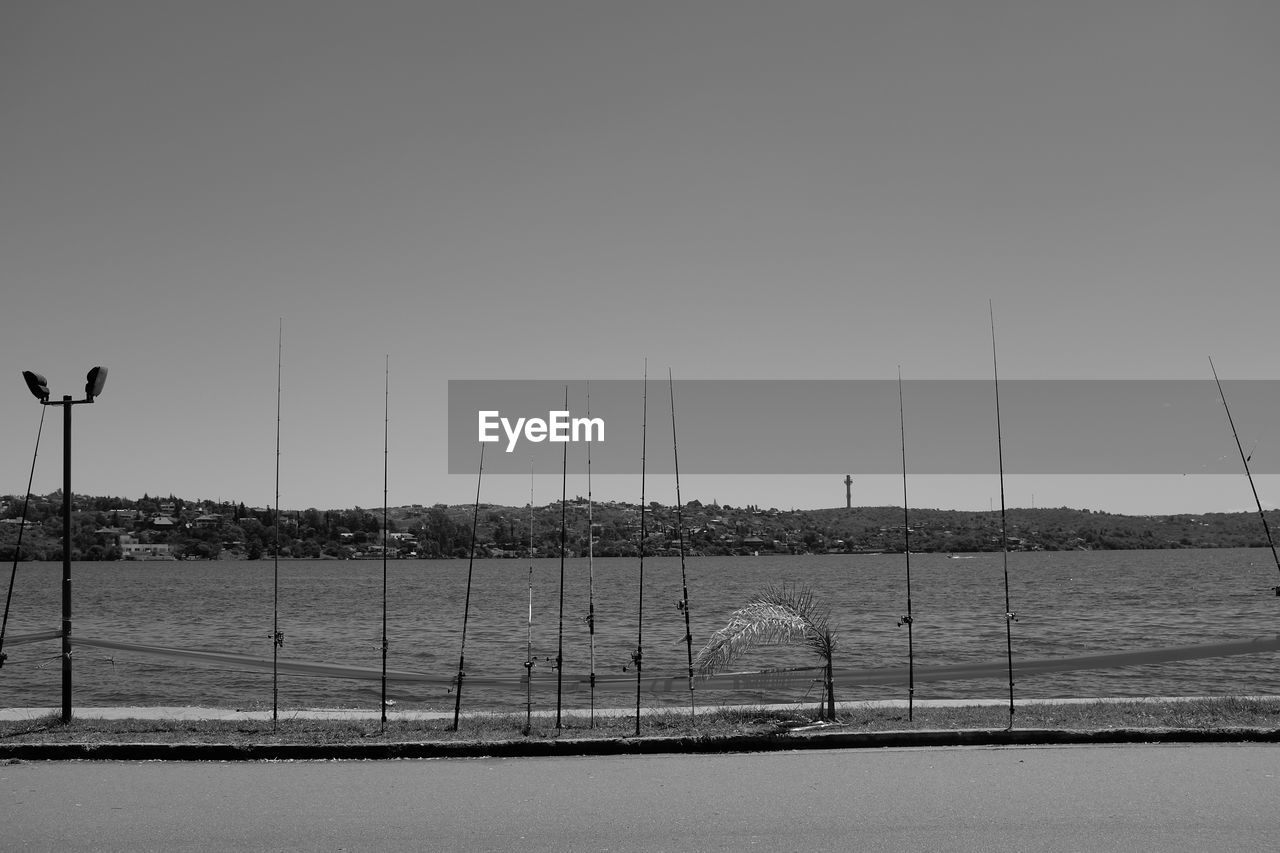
column 172, row 528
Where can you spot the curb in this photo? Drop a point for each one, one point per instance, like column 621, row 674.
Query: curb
column 619, row 746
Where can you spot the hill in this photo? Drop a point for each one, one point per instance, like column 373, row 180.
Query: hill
column 105, row 528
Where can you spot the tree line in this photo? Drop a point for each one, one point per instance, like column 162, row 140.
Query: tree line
column 226, row 529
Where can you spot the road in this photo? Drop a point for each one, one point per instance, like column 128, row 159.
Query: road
column 1166, row 798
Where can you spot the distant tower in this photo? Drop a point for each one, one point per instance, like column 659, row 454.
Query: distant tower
column 848, row 492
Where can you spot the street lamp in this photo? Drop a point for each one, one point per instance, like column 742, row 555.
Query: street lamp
column 39, row 387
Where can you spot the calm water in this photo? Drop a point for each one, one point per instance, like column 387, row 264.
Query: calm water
column 1067, row 603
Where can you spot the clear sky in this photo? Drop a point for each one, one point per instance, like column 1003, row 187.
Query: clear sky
column 562, row 190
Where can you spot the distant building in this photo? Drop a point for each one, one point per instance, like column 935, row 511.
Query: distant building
column 132, row 549
column 128, row 516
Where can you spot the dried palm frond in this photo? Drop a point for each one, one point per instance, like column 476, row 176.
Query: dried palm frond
column 778, row 615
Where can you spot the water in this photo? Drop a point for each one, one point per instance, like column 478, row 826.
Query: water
column 1067, row 604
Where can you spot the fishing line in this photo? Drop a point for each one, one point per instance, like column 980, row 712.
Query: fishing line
column 386, row 421
column 528, row 648
column 564, row 479
column 1245, row 459
column 17, row 549
column 591, row 577
column 277, row 638
column 684, row 578
column 759, row 682
column 1009, row 615
column 906, row 547
column 638, row 657
column 466, row 608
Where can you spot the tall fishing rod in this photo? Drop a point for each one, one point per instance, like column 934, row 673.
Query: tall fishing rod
column 638, row 657
column 1009, row 615
column 1245, row 460
column 684, row 578
column 277, row 638
column 17, row 550
column 564, row 479
column 591, row 576
column 906, row 548
column 528, row 641
column 386, row 421
column 466, row 607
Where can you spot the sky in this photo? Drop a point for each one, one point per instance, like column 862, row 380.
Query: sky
column 340, row 207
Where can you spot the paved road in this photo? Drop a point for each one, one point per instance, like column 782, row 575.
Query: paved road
column 1164, row 798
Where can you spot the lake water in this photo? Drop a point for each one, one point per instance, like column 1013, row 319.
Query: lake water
column 1067, row 604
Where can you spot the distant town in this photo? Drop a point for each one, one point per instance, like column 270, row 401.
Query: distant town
column 171, row 528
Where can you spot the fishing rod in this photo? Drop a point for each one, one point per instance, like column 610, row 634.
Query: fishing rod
column 466, row 607
column 638, row 657
column 1009, row 616
column 528, row 642
column 591, row 577
column 386, row 420
column 277, row 638
column 1245, row 460
column 564, row 478
column 684, row 578
column 17, row 550
column 906, row 547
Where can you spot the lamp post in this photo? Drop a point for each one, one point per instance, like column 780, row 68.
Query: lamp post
column 39, row 387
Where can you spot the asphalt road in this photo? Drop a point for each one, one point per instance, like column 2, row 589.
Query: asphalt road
column 1165, row 798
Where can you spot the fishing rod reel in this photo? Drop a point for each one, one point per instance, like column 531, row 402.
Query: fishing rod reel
column 278, row 639
column 1010, row 616
column 905, row 620
column 456, row 681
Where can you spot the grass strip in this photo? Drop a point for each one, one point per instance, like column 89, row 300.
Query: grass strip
column 1196, row 714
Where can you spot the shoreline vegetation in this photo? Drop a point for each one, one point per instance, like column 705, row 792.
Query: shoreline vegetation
column 1224, row 717
column 149, row 528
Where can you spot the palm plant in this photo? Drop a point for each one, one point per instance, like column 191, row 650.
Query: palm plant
column 777, row 615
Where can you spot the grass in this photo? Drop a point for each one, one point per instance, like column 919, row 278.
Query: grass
column 1209, row 714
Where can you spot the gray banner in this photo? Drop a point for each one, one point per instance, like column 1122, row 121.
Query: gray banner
column 852, row 426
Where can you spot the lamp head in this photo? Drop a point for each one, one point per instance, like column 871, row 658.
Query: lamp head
column 95, row 380
column 37, row 384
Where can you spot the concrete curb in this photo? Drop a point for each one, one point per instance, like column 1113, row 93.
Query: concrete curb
column 618, row 746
